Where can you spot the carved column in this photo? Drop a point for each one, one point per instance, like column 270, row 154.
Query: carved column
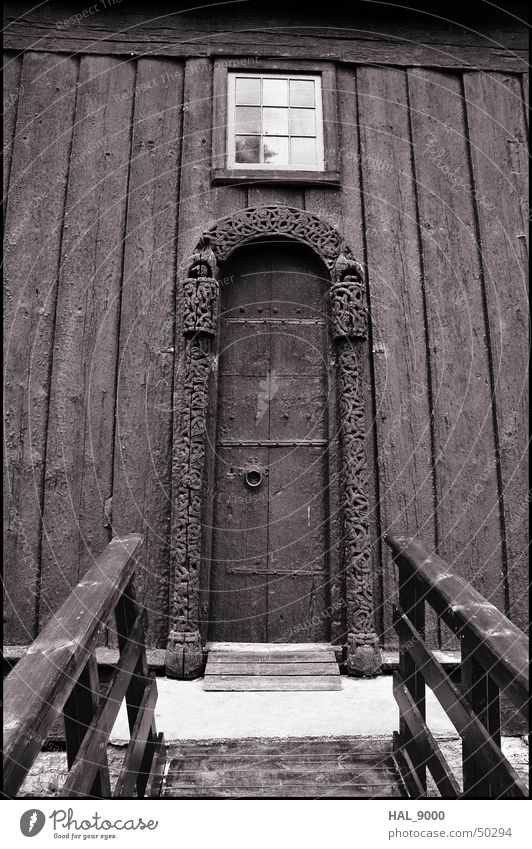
column 349, row 317
column 200, row 291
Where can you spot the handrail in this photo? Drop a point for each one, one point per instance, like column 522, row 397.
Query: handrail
column 59, row 676
column 494, row 660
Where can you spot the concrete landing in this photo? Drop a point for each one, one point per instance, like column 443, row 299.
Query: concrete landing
column 362, row 707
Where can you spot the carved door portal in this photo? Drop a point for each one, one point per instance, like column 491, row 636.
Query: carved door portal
column 284, row 552
column 269, row 569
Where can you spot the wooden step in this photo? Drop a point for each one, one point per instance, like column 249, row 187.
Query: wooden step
column 272, row 667
column 323, row 656
column 375, row 750
column 294, row 768
column 388, row 791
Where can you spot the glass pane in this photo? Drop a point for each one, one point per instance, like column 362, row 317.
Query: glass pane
column 302, row 93
column 303, row 152
column 276, row 152
column 247, row 119
column 275, row 121
column 302, row 122
column 247, row 149
column 274, row 92
column 247, row 91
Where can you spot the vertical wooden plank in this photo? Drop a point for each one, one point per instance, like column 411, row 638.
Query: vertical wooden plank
column 352, row 223
column 226, row 200
column 200, row 205
column 12, row 68
column 351, row 199
column 229, row 198
column 322, row 200
column 32, row 248
column 79, row 454
column 397, row 314
column 194, row 185
column 468, row 521
column 343, row 209
column 499, row 159
column 142, row 461
column 193, row 218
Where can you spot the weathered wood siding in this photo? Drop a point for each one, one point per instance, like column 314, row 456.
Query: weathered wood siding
column 107, row 180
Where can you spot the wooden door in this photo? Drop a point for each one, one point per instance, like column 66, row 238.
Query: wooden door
column 269, row 574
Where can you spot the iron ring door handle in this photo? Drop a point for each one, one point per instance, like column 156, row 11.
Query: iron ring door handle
column 253, row 473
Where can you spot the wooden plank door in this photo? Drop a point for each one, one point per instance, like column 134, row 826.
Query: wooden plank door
column 269, row 575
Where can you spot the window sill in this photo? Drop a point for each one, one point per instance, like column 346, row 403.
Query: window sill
column 233, row 177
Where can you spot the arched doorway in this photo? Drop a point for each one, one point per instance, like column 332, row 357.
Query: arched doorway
column 193, row 460
column 269, row 575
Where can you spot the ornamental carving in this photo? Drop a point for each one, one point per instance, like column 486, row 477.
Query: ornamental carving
column 200, row 292
column 249, row 224
column 182, row 657
column 363, row 656
column 348, row 308
column 348, row 298
column 200, row 306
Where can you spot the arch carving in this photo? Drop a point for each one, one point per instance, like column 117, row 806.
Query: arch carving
column 286, row 221
column 200, row 298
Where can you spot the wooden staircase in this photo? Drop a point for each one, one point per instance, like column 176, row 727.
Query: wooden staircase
column 304, row 768
column 275, row 666
column 58, row 678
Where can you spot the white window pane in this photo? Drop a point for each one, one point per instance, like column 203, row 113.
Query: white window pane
column 247, row 149
column 303, row 152
column 247, row 119
column 302, row 122
column 302, row 93
column 247, row 91
column 275, row 121
column 276, row 152
column 274, row 92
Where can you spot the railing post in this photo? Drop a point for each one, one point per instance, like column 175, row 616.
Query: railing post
column 78, row 713
column 412, row 604
column 483, row 695
column 126, row 613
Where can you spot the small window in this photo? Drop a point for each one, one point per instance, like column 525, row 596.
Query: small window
column 274, row 121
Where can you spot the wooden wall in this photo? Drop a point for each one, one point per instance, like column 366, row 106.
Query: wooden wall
column 107, row 180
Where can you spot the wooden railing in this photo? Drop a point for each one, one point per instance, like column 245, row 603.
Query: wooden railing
column 59, row 676
column 494, row 661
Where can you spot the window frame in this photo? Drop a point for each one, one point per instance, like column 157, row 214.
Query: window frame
column 232, row 164
column 224, row 173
